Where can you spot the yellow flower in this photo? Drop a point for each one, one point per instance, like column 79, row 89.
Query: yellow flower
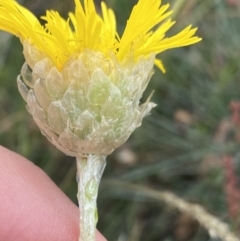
column 58, row 41
column 85, row 82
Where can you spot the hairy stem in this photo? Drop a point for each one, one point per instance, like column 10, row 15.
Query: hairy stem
column 89, row 173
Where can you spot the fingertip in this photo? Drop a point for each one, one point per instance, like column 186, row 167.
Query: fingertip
column 32, row 207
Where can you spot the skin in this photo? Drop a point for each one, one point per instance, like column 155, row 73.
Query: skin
column 32, row 207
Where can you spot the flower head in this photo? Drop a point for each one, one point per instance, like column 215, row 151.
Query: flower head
column 83, row 82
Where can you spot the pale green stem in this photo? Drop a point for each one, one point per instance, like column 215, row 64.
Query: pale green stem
column 89, row 173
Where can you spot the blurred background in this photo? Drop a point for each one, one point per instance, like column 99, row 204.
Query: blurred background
column 189, row 145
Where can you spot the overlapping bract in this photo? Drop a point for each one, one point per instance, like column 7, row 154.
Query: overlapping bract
column 93, row 113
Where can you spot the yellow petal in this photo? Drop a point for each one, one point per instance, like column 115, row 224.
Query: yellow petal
column 144, row 33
